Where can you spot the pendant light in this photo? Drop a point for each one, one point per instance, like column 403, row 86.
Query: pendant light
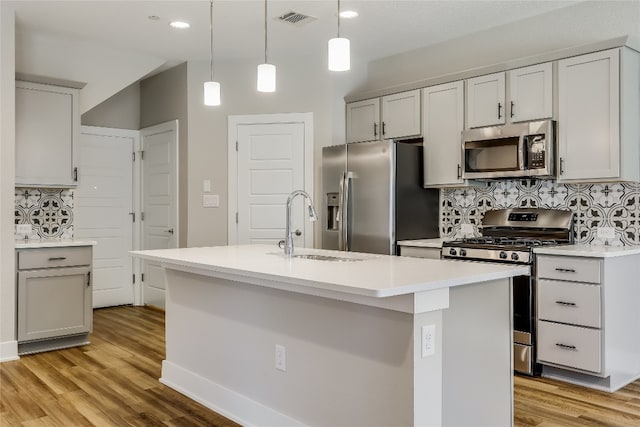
column 211, row 88
column 266, row 71
column 339, row 51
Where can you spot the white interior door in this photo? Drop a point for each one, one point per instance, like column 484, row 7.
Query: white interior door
column 159, row 202
column 272, row 159
column 103, row 207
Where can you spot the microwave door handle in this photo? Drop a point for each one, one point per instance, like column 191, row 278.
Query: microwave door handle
column 521, row 151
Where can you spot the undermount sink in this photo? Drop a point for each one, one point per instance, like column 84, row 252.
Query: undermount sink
column 325, row 258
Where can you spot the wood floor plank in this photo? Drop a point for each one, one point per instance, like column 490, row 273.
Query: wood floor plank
column 114, row 382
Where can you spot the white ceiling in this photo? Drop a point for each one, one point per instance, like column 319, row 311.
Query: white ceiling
column 382, row 29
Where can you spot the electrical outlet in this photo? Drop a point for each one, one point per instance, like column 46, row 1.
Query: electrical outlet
column 428, row 340
column 23, row 228
column 281, row 358
column 606, row 232
column 466, row 228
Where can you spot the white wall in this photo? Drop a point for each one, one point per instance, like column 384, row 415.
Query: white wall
column 583, row 23
column 105, row 70
column 8, row 344
column 303, row 86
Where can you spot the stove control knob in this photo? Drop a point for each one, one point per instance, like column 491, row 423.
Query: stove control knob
column 503, row 255
column 463, row 252
column 514, row 256
column 452, row 251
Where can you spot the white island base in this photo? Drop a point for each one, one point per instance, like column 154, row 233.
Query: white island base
column 351, row 360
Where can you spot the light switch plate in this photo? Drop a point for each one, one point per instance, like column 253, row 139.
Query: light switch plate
column 23, row 228
column 206, row 186
column 606, row 232
column 210, row 200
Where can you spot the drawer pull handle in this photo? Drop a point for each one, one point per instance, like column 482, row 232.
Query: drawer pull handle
column 565, row 270
column 565, row 303
column 57, row 258
column 566, row 346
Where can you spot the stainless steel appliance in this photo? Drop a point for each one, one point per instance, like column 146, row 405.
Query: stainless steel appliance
column 515, row 150
column 509, row 236
column 373, row 196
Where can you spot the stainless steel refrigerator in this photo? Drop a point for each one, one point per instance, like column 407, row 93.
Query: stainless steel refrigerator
column 373, row 197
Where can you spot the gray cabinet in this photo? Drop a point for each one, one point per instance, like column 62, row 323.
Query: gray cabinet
column 47, row 132
column 54, row 297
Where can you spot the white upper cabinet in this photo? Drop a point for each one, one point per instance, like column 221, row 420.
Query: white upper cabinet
column 47, row 130
column 401, row 115
column 486, row 100
column 598, row 100
column 443, row 124
column 531, row 93
column 392, row 116
column 363, row 120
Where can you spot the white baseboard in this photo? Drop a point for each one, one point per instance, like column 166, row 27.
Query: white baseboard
column 228, row 403
column 9, row 351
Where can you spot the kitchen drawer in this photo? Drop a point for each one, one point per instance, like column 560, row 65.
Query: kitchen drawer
column 571, row 346
column 420, row 252
column 569, row 302
column 54, row 257
column 574, row 269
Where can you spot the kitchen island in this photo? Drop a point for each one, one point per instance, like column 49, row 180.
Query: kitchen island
column 348, row 339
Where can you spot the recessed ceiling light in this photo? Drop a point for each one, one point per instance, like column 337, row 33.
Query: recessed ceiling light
column 179, row 24
column 348, row 14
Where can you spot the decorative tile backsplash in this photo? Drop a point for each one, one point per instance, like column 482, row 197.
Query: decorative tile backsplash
column 614, row 205
column 49, row 211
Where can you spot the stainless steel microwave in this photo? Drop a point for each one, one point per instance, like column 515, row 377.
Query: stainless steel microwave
column 514, row 150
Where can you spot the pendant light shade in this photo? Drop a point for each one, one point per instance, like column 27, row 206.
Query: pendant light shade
column 339, row 54
column 339, row 51
column 211, row 93
column 266, row 78
column 211, row 88
column 266, row 71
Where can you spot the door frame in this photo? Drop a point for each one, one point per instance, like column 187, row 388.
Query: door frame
column 232, row 167
column 136, row 195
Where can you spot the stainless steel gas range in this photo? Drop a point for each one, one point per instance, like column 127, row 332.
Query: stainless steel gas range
column 509, row 236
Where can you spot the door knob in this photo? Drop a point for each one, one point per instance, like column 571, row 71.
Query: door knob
column 298, row 233
column 170, row 231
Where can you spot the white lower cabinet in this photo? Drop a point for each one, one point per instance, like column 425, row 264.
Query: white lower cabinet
column 588, row 319
column 54, row 298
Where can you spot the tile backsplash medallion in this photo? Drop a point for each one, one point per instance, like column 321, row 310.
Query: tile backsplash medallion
column 49, row 211
column 614, row 205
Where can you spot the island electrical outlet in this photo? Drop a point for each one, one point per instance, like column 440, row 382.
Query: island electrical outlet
column 281, row 358
column 428, row 340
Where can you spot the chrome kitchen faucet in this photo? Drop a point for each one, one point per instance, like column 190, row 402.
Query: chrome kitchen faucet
column 288, row 240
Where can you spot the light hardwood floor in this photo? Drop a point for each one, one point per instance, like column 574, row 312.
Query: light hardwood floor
column 114, row 382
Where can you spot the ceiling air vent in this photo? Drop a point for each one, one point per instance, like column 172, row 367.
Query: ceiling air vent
column 296, row 18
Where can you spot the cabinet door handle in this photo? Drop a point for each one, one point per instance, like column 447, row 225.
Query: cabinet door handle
column 57, row 258
column 499, row 110
column 566, row 346
column 459, row 171
column 565, row 270
column 383, row 131
column 566, row 304
column 375, row 129
column 88, row 279
column 512, row 108
column 561, row 166
column 75, row 174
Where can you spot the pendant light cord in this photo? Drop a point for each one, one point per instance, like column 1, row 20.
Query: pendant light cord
column 265, row 31
column 211, row 37
column 338, row 18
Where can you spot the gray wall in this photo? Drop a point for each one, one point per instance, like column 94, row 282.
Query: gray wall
column 163, row 97
column 121, row 111
column 583, row 23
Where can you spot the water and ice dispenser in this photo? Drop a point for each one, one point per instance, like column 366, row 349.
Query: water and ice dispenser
column 331, row 203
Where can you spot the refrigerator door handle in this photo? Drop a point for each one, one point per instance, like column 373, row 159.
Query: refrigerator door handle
column 345, row 211
column 339, row 214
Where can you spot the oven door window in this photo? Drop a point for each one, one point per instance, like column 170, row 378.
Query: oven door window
column 493, row 155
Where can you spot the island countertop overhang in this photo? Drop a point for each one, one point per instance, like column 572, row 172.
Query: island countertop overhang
column 369, row 275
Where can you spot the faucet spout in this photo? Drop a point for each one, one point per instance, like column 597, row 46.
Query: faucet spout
column 313, row 216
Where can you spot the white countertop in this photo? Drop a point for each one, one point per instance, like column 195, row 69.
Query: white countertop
column 425, row 243
column 373, row 275
column 52, row 243
column 593, row 251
